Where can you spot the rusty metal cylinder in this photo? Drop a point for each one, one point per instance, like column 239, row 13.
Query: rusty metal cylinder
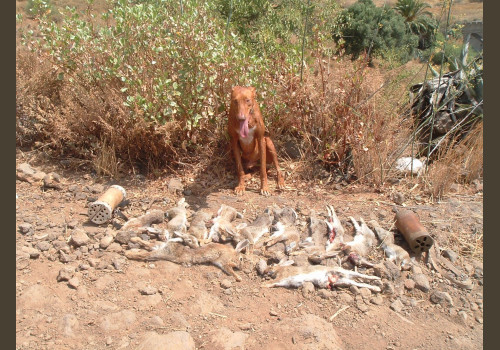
column 415, row 234
column 101, row 211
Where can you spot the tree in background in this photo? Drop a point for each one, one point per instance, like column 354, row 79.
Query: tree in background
column 378, row 31
column 419, row 21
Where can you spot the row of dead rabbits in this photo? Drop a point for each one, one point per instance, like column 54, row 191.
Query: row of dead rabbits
column 222, row 243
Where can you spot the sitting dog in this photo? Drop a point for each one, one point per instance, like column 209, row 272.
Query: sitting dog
column 248, row 142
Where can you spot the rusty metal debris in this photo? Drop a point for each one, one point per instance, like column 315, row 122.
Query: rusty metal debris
column 101, row 211
column 415, row 234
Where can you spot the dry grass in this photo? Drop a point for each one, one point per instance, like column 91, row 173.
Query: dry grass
column 345, row 118
column 85, row 122
column 457, row 162
column 105, row 162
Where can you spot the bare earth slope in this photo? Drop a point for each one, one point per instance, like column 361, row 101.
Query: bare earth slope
column 110, row 302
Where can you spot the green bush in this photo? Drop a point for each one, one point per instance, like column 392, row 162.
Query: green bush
column 277, row 29
column 38, row 7
column 363, row 27
column 167, row 65
column 419, row 21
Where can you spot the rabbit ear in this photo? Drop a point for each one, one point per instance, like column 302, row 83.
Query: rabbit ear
column 355, row 223
column 328, row 210
column 241, row 245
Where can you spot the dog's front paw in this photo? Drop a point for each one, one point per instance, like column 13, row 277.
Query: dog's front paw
column 239, row 190
column 280, row 184
column 265, row 191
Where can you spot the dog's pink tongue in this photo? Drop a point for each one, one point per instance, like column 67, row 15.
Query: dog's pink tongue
column 244, row 128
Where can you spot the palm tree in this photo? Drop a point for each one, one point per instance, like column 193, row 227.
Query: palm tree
column 418, row 19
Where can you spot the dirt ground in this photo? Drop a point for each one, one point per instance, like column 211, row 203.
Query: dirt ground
column 110, row 302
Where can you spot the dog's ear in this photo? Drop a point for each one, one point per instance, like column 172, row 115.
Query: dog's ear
column 254, row 92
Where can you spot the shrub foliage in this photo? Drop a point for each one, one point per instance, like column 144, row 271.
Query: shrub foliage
column 365, row 27
column 146, row 84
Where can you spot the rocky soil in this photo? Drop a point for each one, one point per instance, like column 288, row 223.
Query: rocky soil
column 76, row 290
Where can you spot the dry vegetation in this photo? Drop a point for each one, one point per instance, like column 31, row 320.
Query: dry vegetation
column 345, row 117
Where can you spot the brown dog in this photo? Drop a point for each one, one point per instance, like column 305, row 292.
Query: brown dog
column 246, row 130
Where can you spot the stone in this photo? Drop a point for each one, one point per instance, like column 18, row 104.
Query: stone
column 65, row 273
column 79, row 237
column 325, row 293
column 119, row 262
column 362, row 306
column 345, row 298
column 65, row 258
column 95, row 189
column 26, row 169
column 26, row 229
column 61, row 245
column 106, row 241
column 463, row 315
column 246, row 326
column 409, row 284
column 421, row 282
column 178, row 321
column 225, row 283
column 148, row 290
column 365, row 293
column 397, row 305
column 180, row 340
column 377, row 300
column 52, row 180
column 156, row 321
column 74, row 283
column 478, row 272
column 398, row 198
column 439, row 297
column 226, row 339
column 273, row 313
column 94, row 262
column 308, row 332
column 354, row 290
column 33, row 253
column 115, row 248
column 307, row 288
column 451, row 255
column 123, row 237
column 26, row 173
column 43, row 246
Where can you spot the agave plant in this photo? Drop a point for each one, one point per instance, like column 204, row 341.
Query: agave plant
column 449, row 105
